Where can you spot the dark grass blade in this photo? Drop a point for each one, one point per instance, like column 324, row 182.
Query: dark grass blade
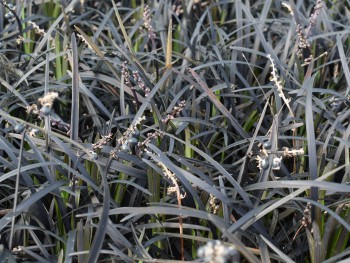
column 119, row 239
column 262, row 18
column 70, row 245
column 17, row 187
column 310, row 130
column 150, row 96
column 343, row 59
column 39, row 244
column 29, row 167
column 218, row 167
column 89, row 75
column 131, row 212
column 53, row 27
column 97, row 50
column 330, row 228
column 219, row 222
column 46, row 83
column 283, row 256
column 172, row 225
column 344, row 235
column 226, row 44
column 46, row 232
column 6, row 147
column 33, row 69
column 139, row 244
column 319, row 249
column 235, row 124
column 14, row 91
column 89, row 94
column 135, row 185
column 265, row 44
column 334, row 215
column 74, row 121
column 50, row 179
column 264, row 173
column 184, row 175
column 34, row 255
column 74, row 127
column 97, row 242
column 226, row 210
column 25, row 204
column 121, row 24
column 178, row 172
column 78, row 145
column 49, row 176
column 335, row 187
column 60, row 146
column 257, row 213
column 124, row 257
column 75, row 163
column 264, row 252
column 80, row 240
column 339, row 258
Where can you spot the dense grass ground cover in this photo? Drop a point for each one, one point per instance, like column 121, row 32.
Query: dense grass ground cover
column 162, row 131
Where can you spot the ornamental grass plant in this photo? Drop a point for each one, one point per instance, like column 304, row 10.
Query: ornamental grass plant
column 174, row 130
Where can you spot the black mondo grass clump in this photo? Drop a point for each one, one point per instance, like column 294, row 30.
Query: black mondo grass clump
column 166, row 131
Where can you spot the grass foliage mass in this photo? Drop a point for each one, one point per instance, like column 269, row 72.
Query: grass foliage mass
column 174, row 130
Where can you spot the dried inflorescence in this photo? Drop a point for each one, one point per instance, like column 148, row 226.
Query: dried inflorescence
column 37, row 29
column 126, row 75
column 147, row 22
column 290, row 10
column 263, row 162
column 292, row 152
column 147, row 18
column 302, row 39
column 103, row 141
column 46, row 102
column 60, row 125
column 48, row 99
column 129, row 139
column 141, row 84
column 306, row 220
column 33, row 132
column 313, row 17
column 32, row 109
column 177, row 8
column 275, row 79
column 150, row 137
column 176, row 110
column 85, row 41
column 174, row 188
column 265, row 151
column 131, row 131
column 216, row 252
column 9, row 15
column 138, row 79
column 168, row 118
column 213, row 203
column 304, row 34
column 99, row 145
column 276, row 163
